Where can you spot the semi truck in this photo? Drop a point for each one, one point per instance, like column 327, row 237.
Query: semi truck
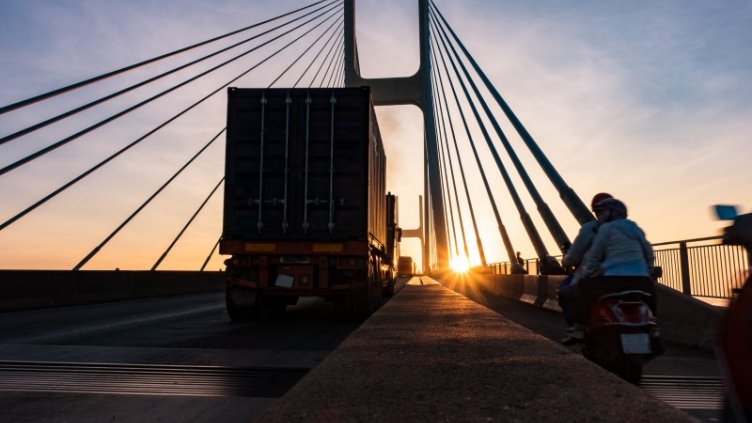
column 405, row 266
column 306, row 211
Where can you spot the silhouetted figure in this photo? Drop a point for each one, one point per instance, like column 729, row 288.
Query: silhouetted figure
column 620, row 259
column 573, row 259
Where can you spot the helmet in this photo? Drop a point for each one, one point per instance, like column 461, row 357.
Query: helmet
column 597, row 198
column 617, row 207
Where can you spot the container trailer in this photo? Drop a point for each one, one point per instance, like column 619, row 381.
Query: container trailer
column 306, row 211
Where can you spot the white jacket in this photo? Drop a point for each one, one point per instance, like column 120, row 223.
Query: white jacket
column 619, row 249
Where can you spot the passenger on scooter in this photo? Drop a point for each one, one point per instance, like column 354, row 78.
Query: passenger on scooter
column 620, row 259
column 573, row 258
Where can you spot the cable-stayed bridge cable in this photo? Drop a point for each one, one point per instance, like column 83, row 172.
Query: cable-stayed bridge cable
column 294, row 62
column 108, row 97
column 64, row 141
column 445, row 103
column 448, row 157
column 143, row 137
column 339, row 62
column 32, row 100
column 568, row 196
column 211, row 253
column 444, row 173
column 516, row 267
column 324, row 61
column 120, row 227
column 302, row 75
column 548, row 264
column 96, row 249
column 562, row 241
column 182, row 231
column 329, row 65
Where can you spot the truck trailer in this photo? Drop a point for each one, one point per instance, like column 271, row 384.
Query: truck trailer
column 306, row 211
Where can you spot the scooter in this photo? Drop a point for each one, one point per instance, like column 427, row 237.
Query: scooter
column 622, row 334
column 736, row 328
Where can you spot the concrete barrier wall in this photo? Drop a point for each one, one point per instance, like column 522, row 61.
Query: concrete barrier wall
column 24, row 289
column 682, row 319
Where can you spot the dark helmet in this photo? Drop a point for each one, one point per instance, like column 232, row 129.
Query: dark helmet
column 618, row 209
column 597, row 198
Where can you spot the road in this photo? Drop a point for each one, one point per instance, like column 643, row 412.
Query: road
column 181, row 359
column 89, row 355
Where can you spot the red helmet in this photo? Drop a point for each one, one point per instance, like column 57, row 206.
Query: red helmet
column 597, row 198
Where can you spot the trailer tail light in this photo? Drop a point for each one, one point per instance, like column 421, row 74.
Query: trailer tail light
column 328, row 248
column 260, row 248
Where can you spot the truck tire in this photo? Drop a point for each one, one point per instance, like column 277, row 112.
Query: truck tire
column 268, row 307
column 238, row 310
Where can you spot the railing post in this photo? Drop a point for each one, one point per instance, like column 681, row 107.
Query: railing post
column 684, row 263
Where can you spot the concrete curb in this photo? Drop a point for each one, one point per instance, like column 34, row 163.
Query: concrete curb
column 431, row 354
column 26, row 289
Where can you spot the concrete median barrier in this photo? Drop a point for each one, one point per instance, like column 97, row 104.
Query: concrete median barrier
column 25, row 289
column 431, row 354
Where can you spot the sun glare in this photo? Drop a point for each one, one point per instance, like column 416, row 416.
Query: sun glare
column 460, row 264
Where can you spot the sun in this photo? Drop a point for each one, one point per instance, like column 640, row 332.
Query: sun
column 460, row 264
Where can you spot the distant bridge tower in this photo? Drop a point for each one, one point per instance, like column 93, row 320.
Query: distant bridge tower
column 416, row 90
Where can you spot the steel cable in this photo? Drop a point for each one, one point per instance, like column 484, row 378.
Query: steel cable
column 143, row 137
column 32, row 100
column 148, row 200
column 557, row 232
column 570, row 198
column 530, row 228
column 211, row 253
column 325, row 60
column 448, row 157
column 108, row 97
column 294, row 62
column 502, row 229
column 182, row 231
column 459, row 162
column 331, row 37
column 444, row 178
column 64, row 141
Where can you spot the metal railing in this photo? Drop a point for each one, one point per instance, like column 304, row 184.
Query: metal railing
column 700, row 267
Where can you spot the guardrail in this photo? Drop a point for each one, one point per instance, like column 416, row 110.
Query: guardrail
column 699, row 267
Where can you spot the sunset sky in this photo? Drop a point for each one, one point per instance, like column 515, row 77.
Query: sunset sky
column 650, row 101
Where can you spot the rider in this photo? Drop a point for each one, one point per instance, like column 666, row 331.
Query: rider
column 573, row 257
column 619, row 259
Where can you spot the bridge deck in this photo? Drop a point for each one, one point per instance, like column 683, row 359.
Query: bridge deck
column 431, row 354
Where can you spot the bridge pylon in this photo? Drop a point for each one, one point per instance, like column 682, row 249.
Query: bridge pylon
column 415, row 90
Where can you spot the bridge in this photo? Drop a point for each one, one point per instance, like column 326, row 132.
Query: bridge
column 112, row 190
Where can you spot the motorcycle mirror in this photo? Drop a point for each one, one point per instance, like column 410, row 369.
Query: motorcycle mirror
column 725, row 212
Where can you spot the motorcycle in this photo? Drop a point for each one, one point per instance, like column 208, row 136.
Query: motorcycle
column 622, row 334
column 736, row 328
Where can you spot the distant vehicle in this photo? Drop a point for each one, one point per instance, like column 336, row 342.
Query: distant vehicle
column 306, row 211
column 405, row 266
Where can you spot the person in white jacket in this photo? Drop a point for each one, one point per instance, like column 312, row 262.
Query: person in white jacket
column 619, row 259
column 567, row 292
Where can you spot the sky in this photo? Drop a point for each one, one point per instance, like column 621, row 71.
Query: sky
column 650, row 101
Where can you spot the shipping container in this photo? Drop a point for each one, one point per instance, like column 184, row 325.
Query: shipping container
column 305, row 204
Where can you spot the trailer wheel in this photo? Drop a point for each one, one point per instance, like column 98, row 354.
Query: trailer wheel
column 237, row 309
column 267, row 307
column 391, row 283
